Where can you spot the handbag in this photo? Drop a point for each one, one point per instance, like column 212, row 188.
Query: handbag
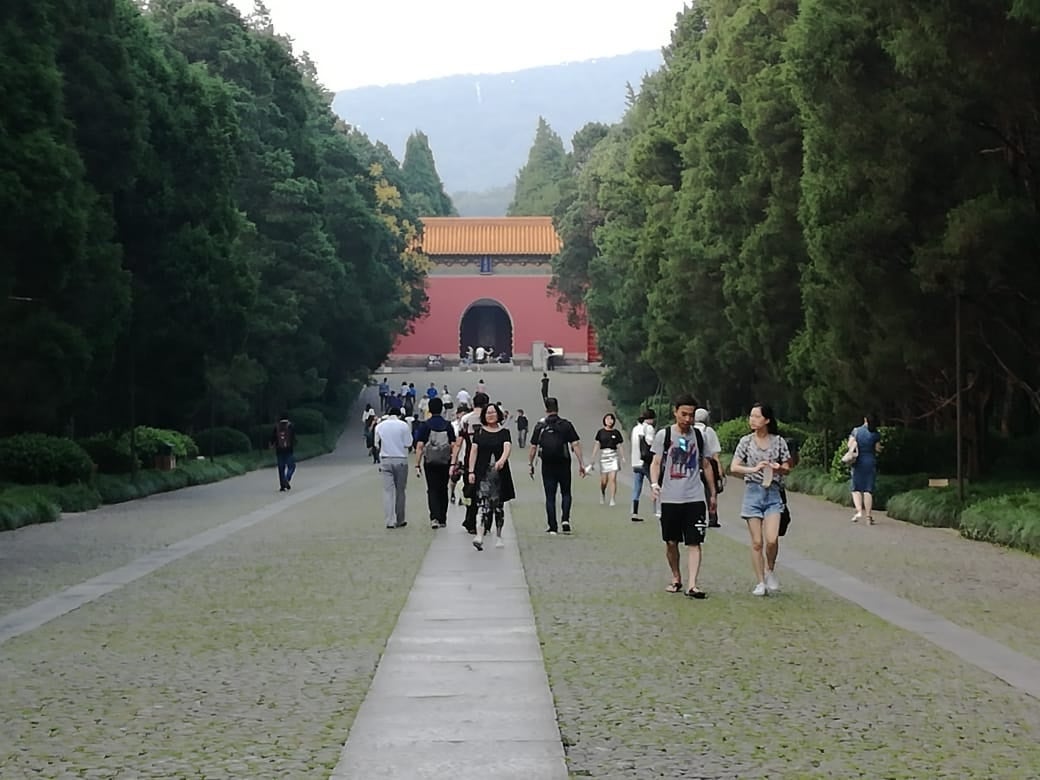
column 850, row 456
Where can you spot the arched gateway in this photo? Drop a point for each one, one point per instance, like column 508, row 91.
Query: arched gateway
column 489, row 286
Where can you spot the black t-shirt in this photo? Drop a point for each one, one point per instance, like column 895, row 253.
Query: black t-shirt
column 545, row 385
column 521, row 423
column 609, row 439
column 561, row 426
column 490, row 446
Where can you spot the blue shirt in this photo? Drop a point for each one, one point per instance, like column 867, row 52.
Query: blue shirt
column 431, row 392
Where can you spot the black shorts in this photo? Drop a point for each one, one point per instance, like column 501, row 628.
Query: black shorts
column 684, row 523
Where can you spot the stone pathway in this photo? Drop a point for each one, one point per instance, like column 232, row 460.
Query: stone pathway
column 461, row 690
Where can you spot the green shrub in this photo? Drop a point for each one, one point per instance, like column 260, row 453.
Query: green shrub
column 931, row 507
column 808, row 479
column 307, row 421
column 260, row 434
column 115, row 489
column 222, row 441
column 906, row 451
column 817, row 482
column 730, row 433
column 203, row 472
column 20, row 506
column 149, row 441
column 1012, row 520
column 36, row 458
column 812, row 452
column 105, row 450
column 77, row 497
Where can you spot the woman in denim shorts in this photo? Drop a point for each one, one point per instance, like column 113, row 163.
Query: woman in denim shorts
column 762, row 458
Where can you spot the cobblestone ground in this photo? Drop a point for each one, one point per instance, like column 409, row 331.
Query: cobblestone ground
column 649, row 684
column 248, row 659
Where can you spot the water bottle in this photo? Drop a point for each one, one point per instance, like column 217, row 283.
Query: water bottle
column 767, row 476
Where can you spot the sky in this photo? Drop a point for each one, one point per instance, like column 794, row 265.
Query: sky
column 359, row 43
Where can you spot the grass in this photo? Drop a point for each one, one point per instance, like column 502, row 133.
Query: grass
column 649, row 684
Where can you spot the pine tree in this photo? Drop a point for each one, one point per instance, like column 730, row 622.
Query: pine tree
column 422, row 183
column 538, row 183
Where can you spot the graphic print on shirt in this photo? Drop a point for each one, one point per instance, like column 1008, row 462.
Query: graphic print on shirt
column 683, row 459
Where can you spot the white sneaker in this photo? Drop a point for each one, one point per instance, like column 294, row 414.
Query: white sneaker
column 772, row 583
column 602, row 500
column 856, row 517
column 613, row 502
column 499, row 542
column 760, row 589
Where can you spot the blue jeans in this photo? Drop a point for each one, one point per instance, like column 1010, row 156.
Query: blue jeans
column 761, row 502
column 557, row 475
column 286, row 468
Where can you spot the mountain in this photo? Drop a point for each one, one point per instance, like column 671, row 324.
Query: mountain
column 481, row 126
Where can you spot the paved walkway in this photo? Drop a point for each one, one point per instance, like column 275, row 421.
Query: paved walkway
column 461, row 690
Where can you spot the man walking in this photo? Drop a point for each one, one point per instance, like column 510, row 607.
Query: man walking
column 712, row 449
column 384, row 394
column 435, row 451
column 521, row 428
column 554, row 439
column 675, row 480
column 284, row 440
column 394, row 438
column 469, row 426
column 642, row 442
column 545, row 387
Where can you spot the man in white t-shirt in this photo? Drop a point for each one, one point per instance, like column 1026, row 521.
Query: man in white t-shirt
column 642, row 440
column 481, row 354
column 394, row 439
column 712, row 449
column 462, row 397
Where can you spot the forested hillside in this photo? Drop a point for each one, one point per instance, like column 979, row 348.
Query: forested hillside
column 795, row 202
column 189, row 235
column 481, row 125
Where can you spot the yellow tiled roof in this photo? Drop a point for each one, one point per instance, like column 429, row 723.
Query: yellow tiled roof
column 489, row 236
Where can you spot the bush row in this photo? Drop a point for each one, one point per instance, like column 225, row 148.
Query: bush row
column 27, row 504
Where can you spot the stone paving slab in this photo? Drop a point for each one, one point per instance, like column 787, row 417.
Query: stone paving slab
column 461, row 689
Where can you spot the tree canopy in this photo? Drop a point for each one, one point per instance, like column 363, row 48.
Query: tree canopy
column 422, row 183
column 538, row 183
column 791, row 207
column 188, row 230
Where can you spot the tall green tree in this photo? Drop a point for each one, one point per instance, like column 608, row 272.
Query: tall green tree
column 538, row 182
column 422, row 183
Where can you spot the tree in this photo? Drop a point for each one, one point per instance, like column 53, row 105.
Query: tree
column 538, row 182
column 422, row 183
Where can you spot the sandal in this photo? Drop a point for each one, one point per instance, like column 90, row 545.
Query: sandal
column 695, row 593
column 675, row 587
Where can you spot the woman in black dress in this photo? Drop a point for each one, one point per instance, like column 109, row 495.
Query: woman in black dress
column 489, row 471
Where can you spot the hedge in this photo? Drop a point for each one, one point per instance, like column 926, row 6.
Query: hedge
column 307, row 421
column 111, row 458
column 222, row 441
column 1012, row 520
column 148, row 442
column 22, row 506
column 36, row 458
column 817, row 482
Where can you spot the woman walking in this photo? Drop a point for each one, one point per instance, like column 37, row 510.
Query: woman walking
column 370, row 438
column 609, row 446
column 489, row 471
column 762, row 458
column 866, row 442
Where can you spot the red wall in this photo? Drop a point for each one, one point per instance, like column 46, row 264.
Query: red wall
column 526, row 299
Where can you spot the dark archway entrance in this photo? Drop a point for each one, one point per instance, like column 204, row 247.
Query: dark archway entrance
column 486, row 323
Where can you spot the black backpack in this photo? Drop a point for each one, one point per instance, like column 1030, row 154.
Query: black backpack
column 646, row 453
column 552, row 440
column 668, row 446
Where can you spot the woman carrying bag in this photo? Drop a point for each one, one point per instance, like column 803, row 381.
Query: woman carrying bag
column 864, row 445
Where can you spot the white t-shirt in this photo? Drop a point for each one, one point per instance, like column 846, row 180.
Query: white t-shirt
column 480, row 353
column 394, row 436
column 462, row 398
column 712, row 447
column 646, row 431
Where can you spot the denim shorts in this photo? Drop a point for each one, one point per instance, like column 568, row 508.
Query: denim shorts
column 759, row 501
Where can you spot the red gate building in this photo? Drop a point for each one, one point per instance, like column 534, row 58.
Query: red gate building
column 489, row 286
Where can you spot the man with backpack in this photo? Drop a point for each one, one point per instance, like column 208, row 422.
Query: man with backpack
column 642, row 441
column 712, row 449
column 554, row 439
column 283, row 438
column 435, row 451
column 676, row 480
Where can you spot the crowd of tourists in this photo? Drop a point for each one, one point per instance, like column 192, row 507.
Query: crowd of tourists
column 467, row 440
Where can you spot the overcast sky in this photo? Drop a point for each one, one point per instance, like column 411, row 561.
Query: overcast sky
column 363, row 42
